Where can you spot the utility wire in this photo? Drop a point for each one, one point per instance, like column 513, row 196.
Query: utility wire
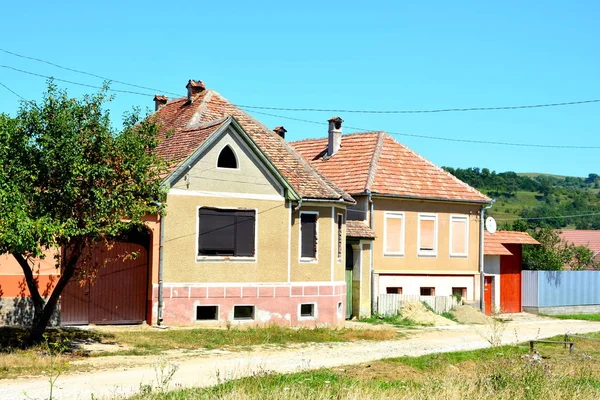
column 541, row 218
column 13, row 92
column 84, row 72
column 441, row 110
column 72, row 82
column 550, row 146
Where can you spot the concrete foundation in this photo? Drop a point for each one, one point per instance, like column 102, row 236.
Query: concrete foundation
column 558, row 310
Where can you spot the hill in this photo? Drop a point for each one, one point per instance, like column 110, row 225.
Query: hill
column 543, row 199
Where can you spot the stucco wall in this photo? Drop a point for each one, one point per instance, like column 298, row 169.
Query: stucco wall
column 411, row 261
column 327, row 267
column 181, row 263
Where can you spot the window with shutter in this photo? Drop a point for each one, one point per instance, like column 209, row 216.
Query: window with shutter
column 459, row 235
column 393, row 235
column 427, row 234
column 340, row 238
column 308, row 235
column 226, row 232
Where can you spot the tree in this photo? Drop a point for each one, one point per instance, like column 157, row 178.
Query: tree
column 553, row 254
column 69, row 181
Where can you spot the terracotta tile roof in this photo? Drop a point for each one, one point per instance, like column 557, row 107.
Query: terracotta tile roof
column 185, row 126
column 377, row 162
column 588, row 238
column 493, row 243
column 358, row 229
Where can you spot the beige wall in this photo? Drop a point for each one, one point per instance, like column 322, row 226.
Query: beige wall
column 327, row 267
column 411, row 261
column 250, row 177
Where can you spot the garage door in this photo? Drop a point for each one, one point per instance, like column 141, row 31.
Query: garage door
column 117, row 295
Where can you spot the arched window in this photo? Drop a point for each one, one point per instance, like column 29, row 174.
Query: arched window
column 227, row 158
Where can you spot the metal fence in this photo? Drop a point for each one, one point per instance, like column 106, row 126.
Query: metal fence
column 560, row 288
column 391, row 304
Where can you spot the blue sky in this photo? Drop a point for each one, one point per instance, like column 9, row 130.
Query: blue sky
column 342, row 55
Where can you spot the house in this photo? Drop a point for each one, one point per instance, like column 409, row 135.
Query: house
column 587, row 238
column 502, row 269
column 425, row 223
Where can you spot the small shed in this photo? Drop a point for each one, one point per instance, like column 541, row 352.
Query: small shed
column 503, row 263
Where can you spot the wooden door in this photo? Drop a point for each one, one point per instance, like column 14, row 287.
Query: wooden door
column 510, row 280
column 487, row 297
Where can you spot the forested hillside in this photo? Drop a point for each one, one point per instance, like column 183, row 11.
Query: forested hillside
column 538, row 196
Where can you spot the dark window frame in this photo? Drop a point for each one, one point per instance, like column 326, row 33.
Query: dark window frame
column 227, row 158
column 226, row 232
column 340, row 225
column 309, row 243
column 311, row 314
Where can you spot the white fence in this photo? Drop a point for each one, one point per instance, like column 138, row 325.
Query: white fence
column 390, row 304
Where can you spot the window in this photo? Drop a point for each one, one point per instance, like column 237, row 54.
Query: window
column 427, row 291
column 243, row 312
column 207, row 313
column 340, row 224
column 427, row 235
column 393, row 236
column 308, row 235
column 393, row 290
column 459, row 235
column 460, row 292
column 226, row 232
column 307, row 310
column 227, row 158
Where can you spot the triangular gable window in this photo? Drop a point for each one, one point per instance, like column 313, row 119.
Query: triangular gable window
column 227, row 158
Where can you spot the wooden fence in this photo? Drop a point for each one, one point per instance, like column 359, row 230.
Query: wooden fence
column 390, row 304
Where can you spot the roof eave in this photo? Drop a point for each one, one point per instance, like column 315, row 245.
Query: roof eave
column 440, row 199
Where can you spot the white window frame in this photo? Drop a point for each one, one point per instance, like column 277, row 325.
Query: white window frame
column 428, row 217
column 397, row 215
column 459, row 217
column 253, row 259
column 308, row 259
column 312, row 317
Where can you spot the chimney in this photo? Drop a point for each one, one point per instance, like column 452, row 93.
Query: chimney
column 335, row 136
column 160, row 101
column 193, row 88
column 280, row 130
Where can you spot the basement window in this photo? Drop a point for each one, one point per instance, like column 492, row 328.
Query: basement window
column 227, row 159
column 427, row 291
column 393, row 290
column 207, row 313
column 460, row 292
column 307, row 310
column 243, row 312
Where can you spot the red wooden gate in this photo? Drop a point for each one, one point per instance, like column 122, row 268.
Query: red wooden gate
column 510, row 280
column 487, row 290
column 118, row 294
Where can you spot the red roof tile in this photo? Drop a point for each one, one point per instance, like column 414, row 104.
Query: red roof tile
column 493, row 243
column 588, row 238
column 358, row 229
column 375, row 161
column 189, row 124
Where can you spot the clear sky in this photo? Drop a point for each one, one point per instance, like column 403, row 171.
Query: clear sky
column 341, row 55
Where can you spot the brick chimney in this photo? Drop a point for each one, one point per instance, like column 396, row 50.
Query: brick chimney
column 194, row 88
column 280, row 130
column 335, row 135
column 160, row 101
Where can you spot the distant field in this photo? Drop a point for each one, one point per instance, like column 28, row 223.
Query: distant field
column 534, row 174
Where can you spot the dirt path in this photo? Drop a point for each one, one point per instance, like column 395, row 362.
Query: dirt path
column 208, row 368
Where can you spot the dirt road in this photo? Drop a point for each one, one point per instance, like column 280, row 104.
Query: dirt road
column 209, row 368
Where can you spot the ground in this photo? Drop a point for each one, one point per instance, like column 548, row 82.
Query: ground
column 126, row 376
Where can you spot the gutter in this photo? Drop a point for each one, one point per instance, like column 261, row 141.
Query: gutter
column 483, row 202
column 481, row 255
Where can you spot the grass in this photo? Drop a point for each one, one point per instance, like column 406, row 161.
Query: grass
column 60, row 349
column 584, row 317
column 506, row 372
column 397, row 320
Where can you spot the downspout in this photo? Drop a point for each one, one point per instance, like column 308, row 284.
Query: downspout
column 481, row 255
column 159, row 318
column 298, row 206
column 373, row 299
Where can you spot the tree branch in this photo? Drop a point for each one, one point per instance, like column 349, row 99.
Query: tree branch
column 37, row 299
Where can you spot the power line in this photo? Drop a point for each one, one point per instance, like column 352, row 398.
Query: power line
column 84, row 72
column 553, row 217
column 550, row 146
column 13, row 92
column 72, row 82
column 441, row 110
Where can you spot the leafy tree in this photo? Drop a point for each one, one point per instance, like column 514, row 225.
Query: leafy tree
column 69, row 181
column 554, row 254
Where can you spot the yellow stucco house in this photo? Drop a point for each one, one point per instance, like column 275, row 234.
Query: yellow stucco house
column 426, row 222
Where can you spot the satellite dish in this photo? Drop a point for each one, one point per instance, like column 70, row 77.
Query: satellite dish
column 490, row 225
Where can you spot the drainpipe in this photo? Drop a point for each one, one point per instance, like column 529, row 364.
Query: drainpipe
column 373, row 299
column 481, row 255
column 298, row 206
column 159, row 317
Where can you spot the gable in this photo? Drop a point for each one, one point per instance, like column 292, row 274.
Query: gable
column 204, row 174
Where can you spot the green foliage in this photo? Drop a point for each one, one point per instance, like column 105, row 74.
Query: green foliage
column 396, row 320
column 69, row 180
column 554, row 254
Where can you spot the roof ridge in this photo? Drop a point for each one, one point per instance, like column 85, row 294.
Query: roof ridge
column 439, row 169
column 343, row 136
column 308, row 167
column 200, row 108
column 374, row 163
